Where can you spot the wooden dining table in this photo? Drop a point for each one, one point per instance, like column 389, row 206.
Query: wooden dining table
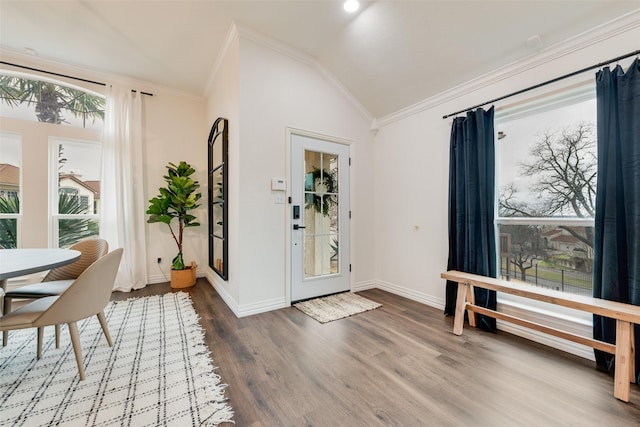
column 20, row 262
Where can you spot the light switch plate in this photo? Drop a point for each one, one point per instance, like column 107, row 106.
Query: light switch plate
column 278, row 184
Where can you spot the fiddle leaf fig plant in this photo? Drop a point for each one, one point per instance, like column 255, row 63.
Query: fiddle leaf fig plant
column 176, row 201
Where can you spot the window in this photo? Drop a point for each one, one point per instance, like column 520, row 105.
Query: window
column 547, row 164
column 10, row 181
column 69, row 191
column 50, row 141
column 75, row 177
column 48, row 101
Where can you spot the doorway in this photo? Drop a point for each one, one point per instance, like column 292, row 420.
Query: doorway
column 320, row 242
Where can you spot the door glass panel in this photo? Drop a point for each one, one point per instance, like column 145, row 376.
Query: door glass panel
column 330, row 162
column 321, row 233
column 313, row 167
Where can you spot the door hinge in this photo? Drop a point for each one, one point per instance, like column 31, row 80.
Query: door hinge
column 349, row 267
column 349, row 161
column 289, row 199
column 349, row 214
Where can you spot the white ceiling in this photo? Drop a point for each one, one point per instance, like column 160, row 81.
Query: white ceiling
column 390, row 55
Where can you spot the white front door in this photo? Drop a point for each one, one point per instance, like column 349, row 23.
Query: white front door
column 320, row 217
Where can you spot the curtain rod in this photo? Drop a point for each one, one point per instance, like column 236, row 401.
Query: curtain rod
column 64, row 75
column 602, row 64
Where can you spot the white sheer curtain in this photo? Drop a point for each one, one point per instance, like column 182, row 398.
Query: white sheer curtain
column 122, row 205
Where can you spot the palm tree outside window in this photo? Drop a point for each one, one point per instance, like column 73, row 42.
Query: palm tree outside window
column 32, row 99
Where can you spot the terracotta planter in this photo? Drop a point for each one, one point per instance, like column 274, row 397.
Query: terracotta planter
column 184, row 278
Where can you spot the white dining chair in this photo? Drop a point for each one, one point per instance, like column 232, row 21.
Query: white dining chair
column 87, row 296
column 57, row 279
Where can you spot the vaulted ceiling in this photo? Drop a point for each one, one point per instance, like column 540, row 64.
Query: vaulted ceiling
column 389, row 55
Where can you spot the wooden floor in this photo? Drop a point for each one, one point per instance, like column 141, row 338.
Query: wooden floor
column 398, row 365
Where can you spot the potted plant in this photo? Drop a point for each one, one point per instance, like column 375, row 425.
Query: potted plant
column 175, row 201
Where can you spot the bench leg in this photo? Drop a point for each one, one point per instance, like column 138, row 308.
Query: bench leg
column 471, row 299
column 624, row 363
column 458, row 320
column 632, row 357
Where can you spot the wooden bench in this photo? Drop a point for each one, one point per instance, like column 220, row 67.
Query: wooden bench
column 626, row 315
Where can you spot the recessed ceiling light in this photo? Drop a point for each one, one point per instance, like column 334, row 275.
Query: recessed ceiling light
column 351, row 5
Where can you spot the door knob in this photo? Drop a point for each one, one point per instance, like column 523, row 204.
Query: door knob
column 297, row 227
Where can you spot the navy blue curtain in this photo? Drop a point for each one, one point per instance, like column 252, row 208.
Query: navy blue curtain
column 616, row 269
column 472, row 243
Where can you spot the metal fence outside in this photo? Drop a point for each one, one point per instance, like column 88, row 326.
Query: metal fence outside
column 571, row 281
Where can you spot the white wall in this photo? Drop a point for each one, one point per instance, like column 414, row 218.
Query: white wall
column 174, row 131
column 278, row 91
column 223, row 99
column 411, row 176
column 412, row 156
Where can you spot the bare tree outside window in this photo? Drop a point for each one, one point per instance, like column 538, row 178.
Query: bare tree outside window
column 556, row 179
column 563, row 166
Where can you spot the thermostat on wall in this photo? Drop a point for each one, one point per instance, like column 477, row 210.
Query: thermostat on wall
column 278, row 184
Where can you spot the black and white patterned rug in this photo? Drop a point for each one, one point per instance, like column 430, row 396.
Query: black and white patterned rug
column 336, row 306
column 158, row 372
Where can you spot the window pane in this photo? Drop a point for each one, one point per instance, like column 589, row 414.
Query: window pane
column 313, row 170
column 557, row 257
column 78, row 174
column 71, row 231
column 321, row 255
column 330, row 166
column 8, row 233
column 10, row 163
column 547, row 161
column 78, row 178
column 48, row 102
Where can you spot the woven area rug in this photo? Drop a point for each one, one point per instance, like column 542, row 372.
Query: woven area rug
column 158, row 372
column 337, row 306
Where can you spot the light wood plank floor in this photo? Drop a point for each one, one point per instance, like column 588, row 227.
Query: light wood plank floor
column 398, row 365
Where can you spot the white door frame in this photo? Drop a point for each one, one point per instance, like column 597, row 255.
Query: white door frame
column 288, row 206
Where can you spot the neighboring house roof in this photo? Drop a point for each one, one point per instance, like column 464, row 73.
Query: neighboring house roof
column 565, row 231
column 552, row 232
column 84, row 184
column 95, row 186
column 565, row 238
column 9, row 174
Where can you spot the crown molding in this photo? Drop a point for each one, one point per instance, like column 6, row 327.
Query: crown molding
column 621, row 25
column 232, row 36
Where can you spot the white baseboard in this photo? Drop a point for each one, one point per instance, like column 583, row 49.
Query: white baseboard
column 242, row 310
column 563, row 322
column 412, row 294
column 261, row 307
column 212, row 278
column 363, row 286
column 548, row 340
